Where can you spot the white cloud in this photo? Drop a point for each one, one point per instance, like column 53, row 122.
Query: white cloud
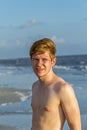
column 56, row 40
column 61, row 40
column 15, row 44
column 28, row 24
column 23, row 26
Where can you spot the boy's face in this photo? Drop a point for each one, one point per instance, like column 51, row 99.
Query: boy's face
column 42, row 63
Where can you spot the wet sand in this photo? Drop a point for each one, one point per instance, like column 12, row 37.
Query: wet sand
column 8, row 95
column 7, row 128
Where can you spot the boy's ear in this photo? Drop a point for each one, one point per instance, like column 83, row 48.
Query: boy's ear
column 54, row 61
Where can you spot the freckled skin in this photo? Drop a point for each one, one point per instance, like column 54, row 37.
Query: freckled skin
column 53, row 99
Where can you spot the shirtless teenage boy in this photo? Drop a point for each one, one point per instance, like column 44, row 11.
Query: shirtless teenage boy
column 53, row 99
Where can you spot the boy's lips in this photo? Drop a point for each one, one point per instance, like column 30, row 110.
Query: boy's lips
column 39, row 69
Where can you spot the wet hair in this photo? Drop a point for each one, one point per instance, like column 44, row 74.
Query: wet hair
column 43, row 45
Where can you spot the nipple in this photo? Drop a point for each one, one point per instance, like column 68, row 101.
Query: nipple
column 46, row 109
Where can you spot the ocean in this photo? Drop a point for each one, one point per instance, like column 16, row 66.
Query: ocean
column 16, row 78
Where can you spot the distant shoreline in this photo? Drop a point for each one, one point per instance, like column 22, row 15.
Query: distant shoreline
column 25, row 62
column 21, row 58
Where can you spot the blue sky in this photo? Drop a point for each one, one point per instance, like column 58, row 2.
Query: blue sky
column 24, row 21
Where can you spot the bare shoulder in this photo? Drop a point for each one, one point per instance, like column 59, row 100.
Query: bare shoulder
column 64, row 89
column 62, row 84
column 67, row 89
column 35, row 84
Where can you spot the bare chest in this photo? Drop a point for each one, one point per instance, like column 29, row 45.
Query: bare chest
column 45, row 99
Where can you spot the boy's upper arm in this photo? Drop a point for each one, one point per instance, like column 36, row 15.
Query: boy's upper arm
column 70, row 107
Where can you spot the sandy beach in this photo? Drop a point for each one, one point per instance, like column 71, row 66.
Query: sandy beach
column 6, row 128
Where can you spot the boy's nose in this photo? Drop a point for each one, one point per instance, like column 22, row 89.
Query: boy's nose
column 40, row 61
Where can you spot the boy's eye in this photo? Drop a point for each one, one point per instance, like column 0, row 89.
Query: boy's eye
column 35, row 59
column 44, row 60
